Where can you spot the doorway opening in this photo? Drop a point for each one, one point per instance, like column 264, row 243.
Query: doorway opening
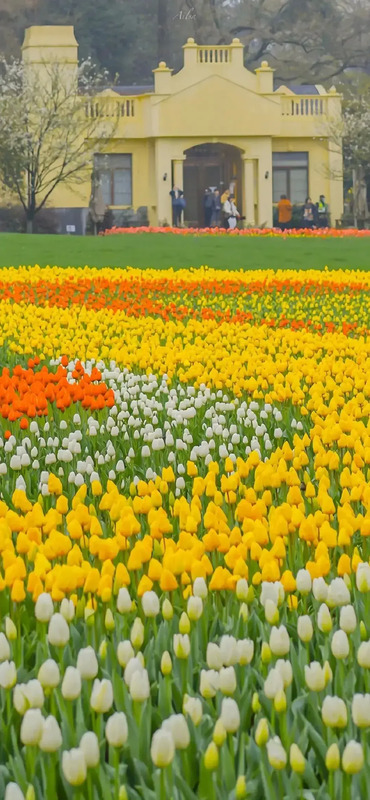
column 210, row 166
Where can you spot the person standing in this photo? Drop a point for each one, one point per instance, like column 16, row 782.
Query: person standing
column 284, row 212
column 308, row 214
column 323, row 212
column 178, row 205
column 207, row 206
column 231, row 212
column 216, row 209
column 225, row 196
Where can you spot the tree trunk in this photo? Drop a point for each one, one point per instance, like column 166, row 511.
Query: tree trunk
column 29, row 225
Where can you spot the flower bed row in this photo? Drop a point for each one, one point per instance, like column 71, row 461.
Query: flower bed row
column 323, row 233
column 184, row 535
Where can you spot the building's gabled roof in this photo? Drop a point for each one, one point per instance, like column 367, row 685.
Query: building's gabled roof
column 298, row 89
column 308, row 88
column 126, row 90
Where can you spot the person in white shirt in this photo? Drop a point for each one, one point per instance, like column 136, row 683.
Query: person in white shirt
column 231, row 212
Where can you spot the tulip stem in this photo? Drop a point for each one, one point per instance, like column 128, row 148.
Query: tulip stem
column 116, row 769
column 347, row 787
column 162, row 785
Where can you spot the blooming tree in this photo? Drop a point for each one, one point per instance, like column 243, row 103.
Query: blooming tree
column 356, row 146
column 48, row 129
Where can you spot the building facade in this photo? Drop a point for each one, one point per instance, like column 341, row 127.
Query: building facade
column 213, row 123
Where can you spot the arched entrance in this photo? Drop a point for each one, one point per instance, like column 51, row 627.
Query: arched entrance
column 210, row 165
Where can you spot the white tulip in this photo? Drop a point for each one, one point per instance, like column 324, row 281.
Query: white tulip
column 193, row 707
column 87, row 663
column 320, row 589
column 305, row 628
column 229, row 650
column 116, row 729
column 67, row 609
column 363, row 655
column 230, row 716
column 340, row 644
column 4, row 648
column 51, row 737
column 89, row 745
column 363, row 577
column 361, row 710
column 194, row 608
column 347, row 619
column 209, row 683
column 227, row 680
column 242, row 589
column 214, row 656
column 315, row 676
column 279, row 641
column 8, row 675
column 162, row 749
column 101, row 699
column 49, row 674
column 271, row 612
column 140, row 686
column 58, row 631
column 28, row 695
column 133, row 665
column 334, row 712
column 286, row 671
column 137, row 633
column 71, row 685
column 181, row 645
column 13, row 792
column 200, row 588
column 338, row 593
column 273, row 684
column 44, row 607
column 10, row 630
column 273, row 591
column 150, row 604
column 177, row 726
column 276, row 754
column 353, row 758
column 125, row 652
column 245, row 650
column 32, row 726
column 74, row 766
column 324, row 620
column 304, row 582
column 124, row 602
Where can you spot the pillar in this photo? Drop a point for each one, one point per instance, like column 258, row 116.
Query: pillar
column 248, row 192
column 265, row 78
column 47, row 48
column 162, row 78
column 163, row 183
column 178, row 172
column 264, row 182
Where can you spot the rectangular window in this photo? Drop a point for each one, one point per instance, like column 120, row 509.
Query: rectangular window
column 115, row 173
column 290, row 176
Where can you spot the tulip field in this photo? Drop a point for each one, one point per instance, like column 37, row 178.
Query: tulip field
column 184, row 534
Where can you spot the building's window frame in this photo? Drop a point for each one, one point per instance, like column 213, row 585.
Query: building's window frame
column 111, row 172
column 287, row 170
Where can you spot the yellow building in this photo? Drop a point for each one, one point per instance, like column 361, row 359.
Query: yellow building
column 213, row 123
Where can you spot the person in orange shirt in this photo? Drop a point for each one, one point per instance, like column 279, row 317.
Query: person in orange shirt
column 284, row 212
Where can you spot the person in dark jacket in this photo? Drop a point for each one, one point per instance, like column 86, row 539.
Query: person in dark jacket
column 216, row 210
column 178, row 205
column 207, row 207
column 309, row 214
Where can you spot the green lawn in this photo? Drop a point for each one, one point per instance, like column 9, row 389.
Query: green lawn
column 170, row 250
